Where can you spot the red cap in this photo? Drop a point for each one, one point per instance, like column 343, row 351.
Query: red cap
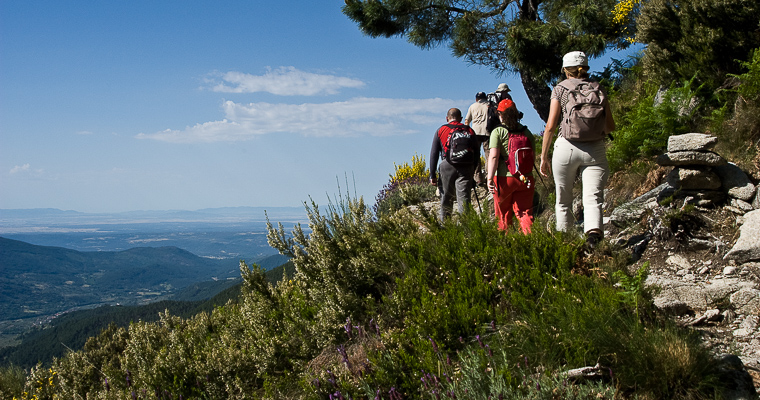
column 505, row 104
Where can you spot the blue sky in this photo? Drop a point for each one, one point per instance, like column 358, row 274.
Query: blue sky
column 154, row 105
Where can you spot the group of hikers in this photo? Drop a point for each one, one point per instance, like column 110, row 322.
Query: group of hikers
column 579, row 108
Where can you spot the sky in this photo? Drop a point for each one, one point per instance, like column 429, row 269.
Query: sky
column 112, row 106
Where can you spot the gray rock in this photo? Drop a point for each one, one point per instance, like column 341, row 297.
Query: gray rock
column 679, row 262
column 730, row 270
column 696, row 296
column 747, row 247
column 707, row 158
column 737, row 381
column 701, row 198
column 735, row 182
column 672, row 306
column 756, row 201
column 632, row 211
column 691, row 141
column 746, row 301
column 693, row 179
column 741, row 204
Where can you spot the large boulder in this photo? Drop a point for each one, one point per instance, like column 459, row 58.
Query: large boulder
column 695, row 296
column 707, row 158
column 747, row 247
column 691, row 141
column 735, row 182
column 693, row 179
column 631, row 212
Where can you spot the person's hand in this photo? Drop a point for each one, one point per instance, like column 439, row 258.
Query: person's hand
column 545, row 167
column 491, row 186
column 433, row 181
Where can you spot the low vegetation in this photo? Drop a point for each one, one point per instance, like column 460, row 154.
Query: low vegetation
column 379, row 308
column 386, row 305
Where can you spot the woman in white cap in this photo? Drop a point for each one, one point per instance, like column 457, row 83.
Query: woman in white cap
column 575, row 151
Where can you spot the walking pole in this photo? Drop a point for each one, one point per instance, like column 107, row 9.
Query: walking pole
column 539, row 174
column 475, row 190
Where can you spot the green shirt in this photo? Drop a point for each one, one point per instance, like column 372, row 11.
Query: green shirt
column 499, row 139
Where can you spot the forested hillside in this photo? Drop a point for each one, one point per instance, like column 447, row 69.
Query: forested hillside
column 42, row 280
column 70, row 331
column 389, row 303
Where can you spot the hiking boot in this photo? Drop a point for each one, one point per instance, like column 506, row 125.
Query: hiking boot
column 593, row 239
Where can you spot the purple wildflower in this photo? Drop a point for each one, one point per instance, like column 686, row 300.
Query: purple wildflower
column 480, row 342
column 435, row 346
column 108, row 386
column 347, row 327
column 490, row 353
column 134, row 395
column 493, row 324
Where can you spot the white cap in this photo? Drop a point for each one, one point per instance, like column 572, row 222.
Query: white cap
column 574, row 59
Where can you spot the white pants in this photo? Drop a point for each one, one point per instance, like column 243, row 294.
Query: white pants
column 591, row 159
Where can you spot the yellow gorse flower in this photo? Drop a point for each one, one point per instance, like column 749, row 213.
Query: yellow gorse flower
column 621, row 15
column 417, row 169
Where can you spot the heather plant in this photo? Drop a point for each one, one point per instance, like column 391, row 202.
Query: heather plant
column 12, row 379
column 406, row 192
column 399, row 307
column 408, row 185
column 346, row 263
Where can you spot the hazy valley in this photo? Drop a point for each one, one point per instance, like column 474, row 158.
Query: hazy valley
column 53, row 262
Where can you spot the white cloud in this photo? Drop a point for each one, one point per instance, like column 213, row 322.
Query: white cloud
column 19, row 169
column 25, row 170
column 284, row 81
column 358, row 116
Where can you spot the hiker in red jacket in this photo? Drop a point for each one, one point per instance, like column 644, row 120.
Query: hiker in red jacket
column 459, row 150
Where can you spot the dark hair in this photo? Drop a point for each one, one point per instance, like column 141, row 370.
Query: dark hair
column 510, row 117
column 455, row 113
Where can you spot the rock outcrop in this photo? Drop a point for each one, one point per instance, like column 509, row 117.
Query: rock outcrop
column 706, row 276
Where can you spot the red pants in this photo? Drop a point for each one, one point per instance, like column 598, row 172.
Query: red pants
column 513, row 198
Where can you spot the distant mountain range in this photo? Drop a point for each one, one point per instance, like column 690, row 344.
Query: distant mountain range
column 232, row 232
column 14, row 219
column 38, row 282
column 71, row 330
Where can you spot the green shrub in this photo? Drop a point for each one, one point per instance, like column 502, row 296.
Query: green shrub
column 379, row 306
column 409, row 185
column 643, row 127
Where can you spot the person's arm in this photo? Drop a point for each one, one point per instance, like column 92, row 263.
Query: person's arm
column 435, row 152
column 493, row 165
column 609, row 124
column 551, row 127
